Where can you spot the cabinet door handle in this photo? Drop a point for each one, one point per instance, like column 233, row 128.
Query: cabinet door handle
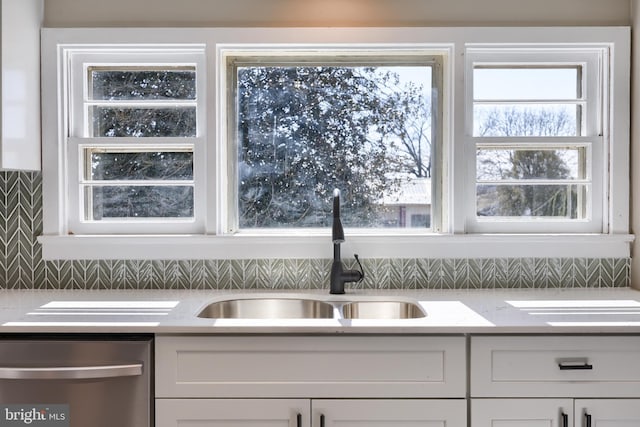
column 574, row 365
column 321, row 420
column 565, row 420
column 587, row 420
column 299, row 420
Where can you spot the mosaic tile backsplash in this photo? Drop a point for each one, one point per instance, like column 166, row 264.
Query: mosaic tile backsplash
column 22, row 266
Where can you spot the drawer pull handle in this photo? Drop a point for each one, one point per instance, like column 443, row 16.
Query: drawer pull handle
column 587, row 420
column 565, row 420
column 574, row 365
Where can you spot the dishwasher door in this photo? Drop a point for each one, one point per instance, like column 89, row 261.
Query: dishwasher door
column 76, row 381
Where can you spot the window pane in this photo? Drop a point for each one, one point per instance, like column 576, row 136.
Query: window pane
column 526, row 120
column 533, row 201
column 496, row 164
column 131, row 202
column 109, row 84
column 420, row 220
column 406, row 207
column 143, row 122
column 525, row 83
column 127, row 165
column 304, row 130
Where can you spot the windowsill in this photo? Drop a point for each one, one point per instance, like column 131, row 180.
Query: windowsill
column 180, row 247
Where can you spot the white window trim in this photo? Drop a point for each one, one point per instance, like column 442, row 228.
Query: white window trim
column 75, row 147
column 77, row 61
column 244, row 246
column 596, row 143
column 452, row 243
column 432, row 55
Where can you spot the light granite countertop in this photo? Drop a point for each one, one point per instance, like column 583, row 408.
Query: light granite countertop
column 448, row 312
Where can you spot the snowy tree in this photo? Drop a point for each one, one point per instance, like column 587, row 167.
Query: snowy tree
column 303, row 131
column 140, row 85
column 112, row 118
column 143, row 201
column 411, row 129
column 525, row 164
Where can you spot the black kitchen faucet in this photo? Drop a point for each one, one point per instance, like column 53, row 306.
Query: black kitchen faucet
column 340, row 276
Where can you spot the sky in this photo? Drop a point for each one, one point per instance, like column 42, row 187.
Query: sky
column 525, row 83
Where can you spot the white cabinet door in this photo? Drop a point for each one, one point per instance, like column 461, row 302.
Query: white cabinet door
column 521, row 413
column 390, row 413
column 376, row 366
column 296, row 413
column 236, row 412
column 607, row 412
column 20, row 92
column 558, row 366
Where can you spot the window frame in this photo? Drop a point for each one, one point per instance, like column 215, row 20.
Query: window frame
column 78, row 61
column 595, row 102
column 455, row 240
column 286, row 55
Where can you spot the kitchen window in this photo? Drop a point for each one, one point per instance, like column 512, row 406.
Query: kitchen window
column 135, row 121
column 536, row 117
column 227, row 143
column 365, row 122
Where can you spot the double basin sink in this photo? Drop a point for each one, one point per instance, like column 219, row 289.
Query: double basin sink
column 309, row 308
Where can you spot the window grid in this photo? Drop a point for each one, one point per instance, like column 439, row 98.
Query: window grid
column 141, row 95
column 516, row 201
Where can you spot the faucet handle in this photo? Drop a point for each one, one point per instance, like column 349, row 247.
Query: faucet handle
column 359, row 266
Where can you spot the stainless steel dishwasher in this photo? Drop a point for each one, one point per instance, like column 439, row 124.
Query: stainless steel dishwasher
column 76, row 381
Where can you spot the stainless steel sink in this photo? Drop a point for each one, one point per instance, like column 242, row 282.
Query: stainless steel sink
column 382, row 310
column 268, row 308
column 308, row 308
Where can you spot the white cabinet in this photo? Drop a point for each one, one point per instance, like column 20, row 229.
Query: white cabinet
column 311, row 381
column 311, row 412
column 372, row 366
column 242, row 412
column 555, row 412
column 607, row 412
column 20, row 93
column 555, row 381
column 521, row 412
column 389, row 413
column 555, row 366
column 398, row 381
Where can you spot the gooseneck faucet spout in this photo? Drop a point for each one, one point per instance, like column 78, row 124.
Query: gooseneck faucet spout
column 339, row 276
column 337, row 232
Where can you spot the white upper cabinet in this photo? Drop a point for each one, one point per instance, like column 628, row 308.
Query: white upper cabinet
column 20, row 93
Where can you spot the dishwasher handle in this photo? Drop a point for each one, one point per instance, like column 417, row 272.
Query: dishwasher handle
column 70, row 372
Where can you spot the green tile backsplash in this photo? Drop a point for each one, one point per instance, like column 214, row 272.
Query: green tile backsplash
column 22, row 267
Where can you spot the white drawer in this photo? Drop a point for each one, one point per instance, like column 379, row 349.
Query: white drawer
column 310, row 366
column 555, row 366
